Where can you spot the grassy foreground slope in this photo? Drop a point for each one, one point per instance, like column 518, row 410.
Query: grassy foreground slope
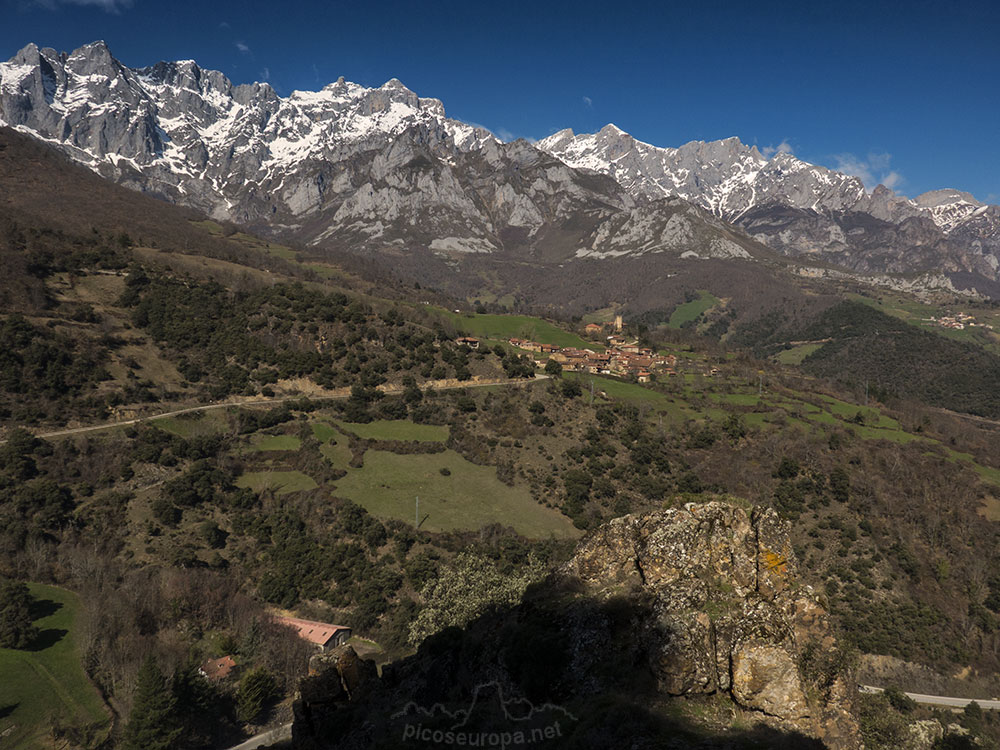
column 47, row 686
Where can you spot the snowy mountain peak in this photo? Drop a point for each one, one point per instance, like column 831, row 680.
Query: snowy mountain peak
column 98, row 48
column 190, row 129
column 949, row 208
column 935, row 198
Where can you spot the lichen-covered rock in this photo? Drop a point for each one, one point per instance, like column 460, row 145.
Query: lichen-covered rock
column 766, row 678
column 727, row 613
column 923, row 735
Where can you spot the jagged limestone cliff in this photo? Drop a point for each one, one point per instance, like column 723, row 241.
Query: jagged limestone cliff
column 652, row 609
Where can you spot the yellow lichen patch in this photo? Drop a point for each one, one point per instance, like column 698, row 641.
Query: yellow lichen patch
column 775, row 563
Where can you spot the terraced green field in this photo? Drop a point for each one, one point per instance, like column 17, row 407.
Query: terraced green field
column 618, row 389
column 208, row 422
column 323, row 431
column 467, row 497
column 796, row 354
column 502, row 327
column 338, row 454
column 689, row 311
column 46, row 684
column 276, row 443
column 282, row 482
column 397, row 429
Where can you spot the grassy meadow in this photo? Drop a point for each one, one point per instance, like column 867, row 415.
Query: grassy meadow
column 466, row 497
column 47, row 684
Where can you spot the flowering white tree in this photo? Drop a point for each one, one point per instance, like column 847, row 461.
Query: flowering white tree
column 466, row 589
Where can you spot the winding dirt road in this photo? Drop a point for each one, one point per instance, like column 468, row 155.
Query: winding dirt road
column 333, row 395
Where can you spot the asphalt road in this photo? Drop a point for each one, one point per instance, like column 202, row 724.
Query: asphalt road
column 270, row 737
column 939, row 700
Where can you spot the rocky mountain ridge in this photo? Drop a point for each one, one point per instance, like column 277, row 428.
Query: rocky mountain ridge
column 729, row 178
column 382, row 170
column 799, row 208
column 347, row 166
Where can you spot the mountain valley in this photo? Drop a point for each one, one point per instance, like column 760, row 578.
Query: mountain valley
column 331, row 356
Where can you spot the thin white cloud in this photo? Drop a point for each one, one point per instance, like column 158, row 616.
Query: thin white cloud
column 266, row 74
column 782, row 148
column 225, row 25
column 588, row 101
column 892, row 179
column 243, row 47
column 871, row 170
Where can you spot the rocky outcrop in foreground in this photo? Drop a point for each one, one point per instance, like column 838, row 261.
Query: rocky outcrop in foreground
column 686, row 602
column 728, row 612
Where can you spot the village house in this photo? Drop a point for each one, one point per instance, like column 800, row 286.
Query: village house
column 321, row 634
column 216, row 670
column 531, row 346
column 592, row 329
column 467, row 341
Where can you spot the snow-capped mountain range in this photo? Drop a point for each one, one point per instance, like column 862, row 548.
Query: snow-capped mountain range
column 793, row 206
column 384, row 170
column 729, row 179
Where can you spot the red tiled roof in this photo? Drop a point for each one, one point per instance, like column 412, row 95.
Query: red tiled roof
column 319, row 633
column 218, row 669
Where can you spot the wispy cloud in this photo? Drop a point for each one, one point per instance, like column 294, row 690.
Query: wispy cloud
column 782, row 148
column 265, row 74
column 224, row 25
column 588, row 101
column 108, row 6
column 871, row 170
column 243, row 47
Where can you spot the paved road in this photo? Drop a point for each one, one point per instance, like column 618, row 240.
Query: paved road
column 939, row 700
column 270, row 737
column 341, row 393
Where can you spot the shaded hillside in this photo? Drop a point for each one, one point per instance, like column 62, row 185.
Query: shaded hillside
column 863, row 347
column 58, row 215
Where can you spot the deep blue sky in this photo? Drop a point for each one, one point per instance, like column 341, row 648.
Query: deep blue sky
column 904, row 92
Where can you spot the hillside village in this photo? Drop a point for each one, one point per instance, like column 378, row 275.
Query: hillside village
column 622, row 357
column 957, row 322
